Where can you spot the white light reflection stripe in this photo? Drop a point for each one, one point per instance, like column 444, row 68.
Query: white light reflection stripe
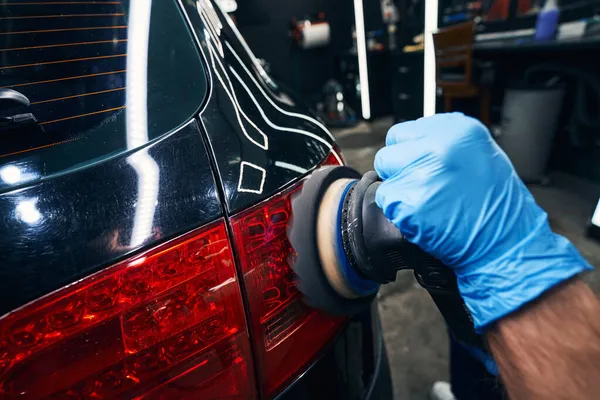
column 291, row 167
column 253, row 58
column 259, row 68
column 596, row 216
column 136, row 120
column 337, row 157
column 363, row 70
column 211, row 28
column 263, row 172
column 281, row 110
column 269, row 122
column 236, row 105
column 431, row 18
column 137, row 73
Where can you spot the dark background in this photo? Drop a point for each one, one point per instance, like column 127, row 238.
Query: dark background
column 265, row 24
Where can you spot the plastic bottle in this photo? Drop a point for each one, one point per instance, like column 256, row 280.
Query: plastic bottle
column 547, row 21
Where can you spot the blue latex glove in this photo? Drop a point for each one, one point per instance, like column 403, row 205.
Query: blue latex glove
column 452, row 191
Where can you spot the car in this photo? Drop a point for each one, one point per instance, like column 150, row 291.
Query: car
column 146, row 167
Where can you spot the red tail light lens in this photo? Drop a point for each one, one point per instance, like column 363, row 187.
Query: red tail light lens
column 334, row 158
column 288, row 334
column 168, row 323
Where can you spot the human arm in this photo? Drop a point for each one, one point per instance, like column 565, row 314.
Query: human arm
column 451, row 190
column 550, row 349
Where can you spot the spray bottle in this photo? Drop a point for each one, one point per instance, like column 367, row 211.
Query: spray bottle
column 547, row 21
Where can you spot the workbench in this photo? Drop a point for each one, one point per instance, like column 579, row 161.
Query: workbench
column 528, row 45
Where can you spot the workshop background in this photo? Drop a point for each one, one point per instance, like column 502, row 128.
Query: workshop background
column 523, row 67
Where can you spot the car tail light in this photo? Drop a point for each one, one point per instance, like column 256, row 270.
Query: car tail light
column 168, row 323
column 334, row 158
column 288, row 334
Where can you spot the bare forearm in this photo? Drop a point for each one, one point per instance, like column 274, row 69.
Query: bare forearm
column 551, row 348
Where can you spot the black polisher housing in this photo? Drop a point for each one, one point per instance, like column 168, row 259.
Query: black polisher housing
column 370, row 245
column 375, row 248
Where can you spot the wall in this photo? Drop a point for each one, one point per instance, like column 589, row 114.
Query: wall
column 265, row 24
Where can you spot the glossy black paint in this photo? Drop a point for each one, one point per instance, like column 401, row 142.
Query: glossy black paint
column 74, row 224
column 84, row 96
column 260, row 143
column 261, row 138
column 62, row 229
column 354, row 367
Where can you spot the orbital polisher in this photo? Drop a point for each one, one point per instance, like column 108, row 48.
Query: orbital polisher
column 346, row 248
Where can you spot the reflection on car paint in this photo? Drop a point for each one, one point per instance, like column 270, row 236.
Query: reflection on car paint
column 76, row 80
column 244, row 157
column 136, row 121
column 241, row 183
column 291, row 114
column 27, row 211
column 213, row 32
column 58, row 230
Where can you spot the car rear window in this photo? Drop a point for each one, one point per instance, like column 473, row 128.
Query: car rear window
column 88, row 101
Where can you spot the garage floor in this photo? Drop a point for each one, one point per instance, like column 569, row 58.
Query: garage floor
column 414, row 332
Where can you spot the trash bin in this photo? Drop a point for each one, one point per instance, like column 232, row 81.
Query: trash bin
column 529, row 121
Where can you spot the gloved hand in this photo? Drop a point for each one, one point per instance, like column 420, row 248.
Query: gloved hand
column 452, row 191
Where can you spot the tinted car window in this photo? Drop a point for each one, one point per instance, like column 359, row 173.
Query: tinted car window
column 83, row 67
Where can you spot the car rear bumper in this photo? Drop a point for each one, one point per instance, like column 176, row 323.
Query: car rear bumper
column 354, row 366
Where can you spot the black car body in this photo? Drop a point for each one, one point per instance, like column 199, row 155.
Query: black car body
column 144, row 196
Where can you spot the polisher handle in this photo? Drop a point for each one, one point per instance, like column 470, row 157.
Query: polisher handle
column 380, row 251
column 440, row 282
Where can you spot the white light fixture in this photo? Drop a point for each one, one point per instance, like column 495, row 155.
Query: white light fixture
column 429, row 86
column 228, row 6
column 596, row 216
column 361, row 47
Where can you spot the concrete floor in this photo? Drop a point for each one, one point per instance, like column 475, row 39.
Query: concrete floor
column 414, row 332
